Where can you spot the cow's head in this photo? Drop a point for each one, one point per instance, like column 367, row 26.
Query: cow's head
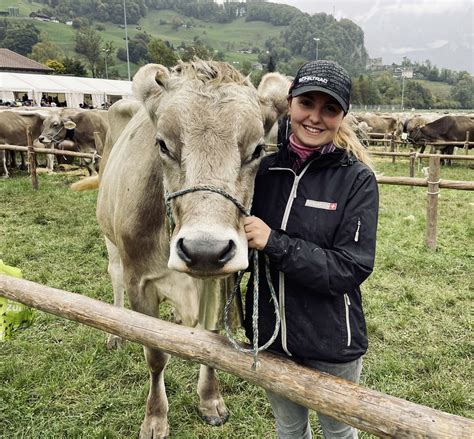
column 209, row 132
column 415, row 135
column 55, row 127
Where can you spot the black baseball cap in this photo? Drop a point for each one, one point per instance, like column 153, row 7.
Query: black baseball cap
column 326, row 76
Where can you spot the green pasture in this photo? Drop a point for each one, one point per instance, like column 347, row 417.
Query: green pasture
column 58, row 380
column 440, row 89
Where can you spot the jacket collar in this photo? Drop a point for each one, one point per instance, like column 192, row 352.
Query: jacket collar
column 284, row 158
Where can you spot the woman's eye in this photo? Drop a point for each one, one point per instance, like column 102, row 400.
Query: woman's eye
column 333, row 109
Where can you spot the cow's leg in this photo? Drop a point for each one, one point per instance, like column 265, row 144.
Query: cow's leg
column 50, row 161
column 115, row 271
column 143, row 299
column 155, row 425
column 211, row 404
column 23, row 165
column 90, row 167
column 13, row 163
column 449, row 151
column 192, row 299
column 3, row 159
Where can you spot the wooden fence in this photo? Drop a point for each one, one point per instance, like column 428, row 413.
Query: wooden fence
column 32, row 151
column 368, row 410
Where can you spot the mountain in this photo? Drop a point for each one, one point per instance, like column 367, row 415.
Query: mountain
column 441, row 31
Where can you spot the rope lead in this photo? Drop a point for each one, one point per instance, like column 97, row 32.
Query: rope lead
column 254, row 258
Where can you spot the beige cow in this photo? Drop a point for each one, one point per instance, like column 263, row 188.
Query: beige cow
column 200, row 124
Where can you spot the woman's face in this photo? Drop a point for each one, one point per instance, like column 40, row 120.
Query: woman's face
column 315, row 118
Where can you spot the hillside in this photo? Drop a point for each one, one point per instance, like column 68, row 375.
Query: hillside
column 241, row 43
column 228, row 38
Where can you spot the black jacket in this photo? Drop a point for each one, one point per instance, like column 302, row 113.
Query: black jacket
column 321, row 248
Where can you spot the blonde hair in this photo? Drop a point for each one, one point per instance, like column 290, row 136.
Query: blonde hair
column 346, row 139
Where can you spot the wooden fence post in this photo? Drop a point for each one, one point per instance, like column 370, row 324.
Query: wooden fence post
column 392, row 148
column 432, row 207
column 32, row 159
column 412, row 165
column 466, row 145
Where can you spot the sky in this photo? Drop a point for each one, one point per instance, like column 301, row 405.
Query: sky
column 439, row 30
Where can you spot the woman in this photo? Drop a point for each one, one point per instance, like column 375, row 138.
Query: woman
column 315, row 215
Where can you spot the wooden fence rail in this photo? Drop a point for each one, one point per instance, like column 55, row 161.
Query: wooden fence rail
column 368, row 410
column 420, row 156
column 412, row 181
column 47, row 151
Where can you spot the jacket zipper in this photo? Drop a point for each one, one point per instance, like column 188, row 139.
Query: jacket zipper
column 347, row 304
column 281, row 275
column 356, row 237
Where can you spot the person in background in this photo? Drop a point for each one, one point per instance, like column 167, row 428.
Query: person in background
column 315, row 210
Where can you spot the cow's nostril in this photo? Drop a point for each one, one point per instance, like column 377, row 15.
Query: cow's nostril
column 228, row 253
column 183, row 254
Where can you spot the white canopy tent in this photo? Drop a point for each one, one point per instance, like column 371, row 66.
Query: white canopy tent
column 74, row 88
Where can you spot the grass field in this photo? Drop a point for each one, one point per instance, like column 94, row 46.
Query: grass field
column 59, row 381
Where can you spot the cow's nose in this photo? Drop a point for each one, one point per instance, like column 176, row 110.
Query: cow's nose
column 205, row 254
column 43, row 139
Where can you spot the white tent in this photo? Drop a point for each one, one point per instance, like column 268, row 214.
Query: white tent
column 73, row 88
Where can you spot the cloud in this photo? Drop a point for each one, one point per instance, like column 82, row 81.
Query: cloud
column 374, row 10
column 437, row 44
column 404, row 50
column 428, row 7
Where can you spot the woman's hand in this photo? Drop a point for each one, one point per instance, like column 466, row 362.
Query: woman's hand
column 257, row 232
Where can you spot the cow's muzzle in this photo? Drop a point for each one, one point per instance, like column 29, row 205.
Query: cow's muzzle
column 44, row 140
column 205, row 254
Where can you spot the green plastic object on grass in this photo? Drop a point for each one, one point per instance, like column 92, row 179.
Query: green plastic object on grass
column 13, row 315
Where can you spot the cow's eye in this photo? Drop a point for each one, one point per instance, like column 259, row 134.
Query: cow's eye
column 258, row 151
column 163, row 148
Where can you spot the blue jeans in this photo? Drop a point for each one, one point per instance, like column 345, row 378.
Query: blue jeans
column 292, row 420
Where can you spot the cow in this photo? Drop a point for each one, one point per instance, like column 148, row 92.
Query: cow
column 445, row 129
column 13, row 126
column 418, row 120
column 200, row 128
column 384, row 125
column 70, row 129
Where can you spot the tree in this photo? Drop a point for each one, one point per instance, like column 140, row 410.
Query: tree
column 21, row 39
column 45, row 50
column 104, row 64
column 89, row 44
column 159, row 52
column 56, row 65
column 463, row 92
column 198, row 50
column 417, row 96
column 73, row 67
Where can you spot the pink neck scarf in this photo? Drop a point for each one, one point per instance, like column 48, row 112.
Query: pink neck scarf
column 303, row 152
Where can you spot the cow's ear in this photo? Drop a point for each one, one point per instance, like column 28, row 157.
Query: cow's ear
column 149, row 83
column 69, row 125
column 273, row 96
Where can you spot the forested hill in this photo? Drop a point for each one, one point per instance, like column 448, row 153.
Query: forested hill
column 86, row 38
column 343, row 40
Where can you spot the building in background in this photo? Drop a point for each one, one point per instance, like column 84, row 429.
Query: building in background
column 16, row 63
